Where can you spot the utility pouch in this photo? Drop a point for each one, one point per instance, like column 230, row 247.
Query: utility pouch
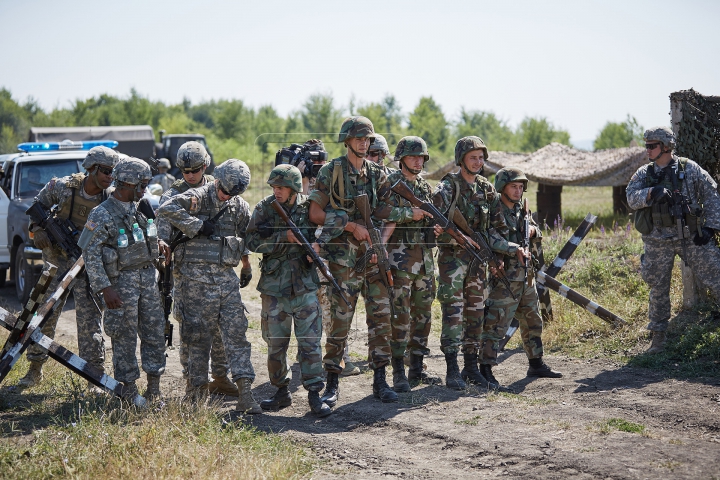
column 134, row 255
column 110, row 261
column 643, row 220
column 203, row 250
column 693, row 222
column 661, row 215
column 231, row 253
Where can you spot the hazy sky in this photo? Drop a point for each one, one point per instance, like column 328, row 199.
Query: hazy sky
column 578, row 63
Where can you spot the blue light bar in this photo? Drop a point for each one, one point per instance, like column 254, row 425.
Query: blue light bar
column 65, row 145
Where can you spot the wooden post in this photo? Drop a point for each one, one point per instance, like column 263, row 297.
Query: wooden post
column 620, row 205
column 549, row 203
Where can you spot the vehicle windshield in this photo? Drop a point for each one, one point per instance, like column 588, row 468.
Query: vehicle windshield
column 32, row 176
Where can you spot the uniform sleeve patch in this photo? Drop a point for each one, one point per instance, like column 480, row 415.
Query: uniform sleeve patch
column 90, row 225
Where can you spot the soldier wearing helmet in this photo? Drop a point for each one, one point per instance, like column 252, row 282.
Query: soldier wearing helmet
column 215, row 218
column 288, row 289
column 75, row 196
column 192, row 160
column 378, row 151
column 655, row 191
column 500, row 307
column 461, row 289
column 410, row 244
column 344, row 241
column 163, row 178
column 125, row 275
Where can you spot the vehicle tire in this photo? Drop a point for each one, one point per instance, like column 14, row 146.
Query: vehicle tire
column 23, row 275
column 3, row 276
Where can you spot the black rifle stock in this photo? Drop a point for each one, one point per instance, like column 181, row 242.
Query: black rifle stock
column 526, row 233
column 678, row 208
column 166, row 288
column 317, row 261
column 362, row 203
column 458, row 228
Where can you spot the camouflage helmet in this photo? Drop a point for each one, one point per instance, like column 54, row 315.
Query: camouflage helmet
column 286, row 176
column 233, row 175
column 164, row 163
column 408, row 146
column 192, row 155
column 468, row 144
column 380, row 144
column 131, row 171
column 101, row 156
column 660, row 134
column 508, row 175
column 356, row 127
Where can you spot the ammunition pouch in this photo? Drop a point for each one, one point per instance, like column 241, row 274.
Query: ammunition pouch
column 232, row 250
column 643, row 220
column 110, row 261
column 134, row 256
column 661, row 216
column 225, row 251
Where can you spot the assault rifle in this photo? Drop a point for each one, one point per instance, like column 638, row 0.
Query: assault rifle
column 362, row 203
column 526, row 233
column 679, row 206
column 317, row 261
column 166, row 288
column 483, row 255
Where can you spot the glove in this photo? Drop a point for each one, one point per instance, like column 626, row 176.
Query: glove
column 41, row 239
column 704, row 239
column 207, row 228
column 245, row 277
column 265, row 230
column 659, row 193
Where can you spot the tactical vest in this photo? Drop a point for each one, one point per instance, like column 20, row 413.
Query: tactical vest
column 412, row 233
column 343, row 191
column 270, row 262
column 76, row 207
column 182, row 186
column 137, row 254
column 223, row 247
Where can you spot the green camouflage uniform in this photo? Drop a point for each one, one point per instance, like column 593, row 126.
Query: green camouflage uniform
column 342, row 251
column 461, row 294
column 287, row 286
column 500, row 308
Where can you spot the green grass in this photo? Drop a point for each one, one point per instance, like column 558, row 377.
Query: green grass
column 618, row 424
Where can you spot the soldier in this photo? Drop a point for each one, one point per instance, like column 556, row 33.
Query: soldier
column 378, row 151
column 215, row 218
column 125, row 275
column 75, row 195
column 163, row 178
column 461, row 290
column 500, row 307
column 670, row 181
column 344, row 240
column 192, row 160
column 287, row 287
column 410, row 250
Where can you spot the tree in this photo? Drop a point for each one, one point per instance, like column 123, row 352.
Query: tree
column 15, row 121
column 618, row 135
column 319, row 114
column 496, row 133
column 428, row 121
column 535, row 133
column 267, row 121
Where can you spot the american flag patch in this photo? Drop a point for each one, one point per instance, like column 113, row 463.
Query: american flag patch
column 90, row 225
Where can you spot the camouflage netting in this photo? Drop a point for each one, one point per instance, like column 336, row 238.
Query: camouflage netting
column 557, row 164
column 698, row 129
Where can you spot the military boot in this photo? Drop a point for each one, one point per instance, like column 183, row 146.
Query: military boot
column 33, row 376
column 153, row 387
column 470, row 372
column 416, row 372
column 197, row 394
column 486, row 371
column 332, row 390
column 281, row 399
column 657, row 346
column 400, row 381
column 452, row 377
column 381, row 389
column 246, row 402
column 350, row 369
column 128, row 390
column 538, row 368
column 318, row 407
column 221, row 385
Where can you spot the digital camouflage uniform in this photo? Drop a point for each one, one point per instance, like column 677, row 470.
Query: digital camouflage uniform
column 287, row 286
column 165, row 180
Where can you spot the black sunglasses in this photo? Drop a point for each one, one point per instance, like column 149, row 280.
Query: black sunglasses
column 105, row 170
column 652, row 146
column 374, row 153
column 235, row 191
column 194, row 170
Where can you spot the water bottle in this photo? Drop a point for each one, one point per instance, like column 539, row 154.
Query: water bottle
column 122, row 239
column 138, row 233
column 151, row 228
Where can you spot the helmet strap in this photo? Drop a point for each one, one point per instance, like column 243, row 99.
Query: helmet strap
column 355, row 152
column 414, row 171
column 95, row 180
column 464, row 166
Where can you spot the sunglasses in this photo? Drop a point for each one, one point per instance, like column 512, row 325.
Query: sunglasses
column 194, row 170
column 374, row 154
column 235, row 191
column 105, row 170
column 652, row 146
column 142, row 186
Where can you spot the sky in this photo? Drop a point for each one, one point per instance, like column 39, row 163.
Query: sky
column 578, row 63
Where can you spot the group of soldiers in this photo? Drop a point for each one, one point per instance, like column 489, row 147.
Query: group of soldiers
column 374, row 243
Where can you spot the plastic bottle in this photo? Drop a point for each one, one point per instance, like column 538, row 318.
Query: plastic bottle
column 122, row 239
column 138, row 233
column 151, row 228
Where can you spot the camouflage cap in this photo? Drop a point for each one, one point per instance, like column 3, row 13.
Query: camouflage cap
column 131, row 171
column 233, row 175
column 164, row 163
column 101, row 156
column 192, row 155
column 468, row 144
column 315, row 145
column 408, row 146
column 660, row 134
column 380, row 144
column 286, row 176
column 357, row 127
column 508, row 175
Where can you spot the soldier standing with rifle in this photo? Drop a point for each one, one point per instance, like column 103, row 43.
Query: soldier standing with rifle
column 192, row 160
column 461, row 290
column 500, row 306
column 74, row 197
column 337, row 204
column 678, row 213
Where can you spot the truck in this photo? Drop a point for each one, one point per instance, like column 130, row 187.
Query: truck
column 169, row 145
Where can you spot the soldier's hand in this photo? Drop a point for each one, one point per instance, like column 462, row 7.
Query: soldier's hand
column 522, row 255
column 112, row 299
column 438, row 230
column 703, row 236
column 533, row 231
column 265, row 230
column 316, row 247
column 659, row 193
column 292, row 238
column 473, row 243
column 360, row 233
column 165, row 251
column 419, row 214
column 245, row 277
column 41, row 239
column 207, row 228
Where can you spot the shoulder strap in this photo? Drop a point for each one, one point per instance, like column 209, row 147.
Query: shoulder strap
column 337, row 199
